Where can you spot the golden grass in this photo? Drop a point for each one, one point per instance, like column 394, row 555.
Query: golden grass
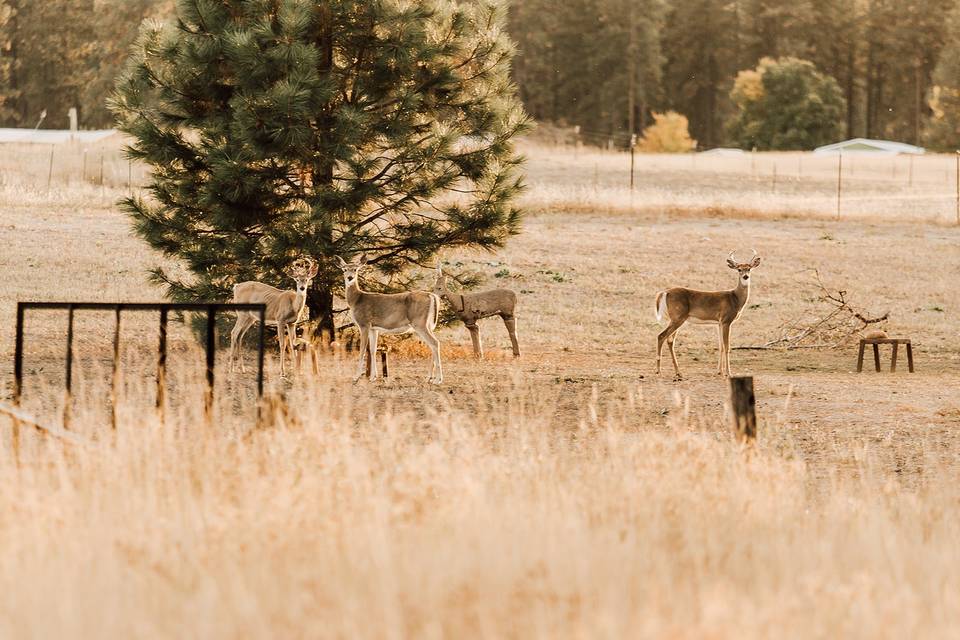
column 482, row 517
column 570, row 494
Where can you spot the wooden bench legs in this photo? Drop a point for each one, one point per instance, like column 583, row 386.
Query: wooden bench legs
column 876, row 353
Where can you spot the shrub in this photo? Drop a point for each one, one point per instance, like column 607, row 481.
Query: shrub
column 669, row 133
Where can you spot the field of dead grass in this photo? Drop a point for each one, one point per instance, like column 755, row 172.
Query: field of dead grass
column 571, row 493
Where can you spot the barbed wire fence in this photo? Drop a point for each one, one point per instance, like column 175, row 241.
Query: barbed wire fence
column 612, row 166
column 854, row 184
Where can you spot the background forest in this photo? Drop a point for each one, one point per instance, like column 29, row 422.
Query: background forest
column 878, row 68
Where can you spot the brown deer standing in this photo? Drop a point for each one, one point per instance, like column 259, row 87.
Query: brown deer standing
column 376, row 313
column 283, row 309
column 721, row 307
column 471, row 307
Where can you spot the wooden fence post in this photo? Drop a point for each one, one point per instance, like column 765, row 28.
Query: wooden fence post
column 115, row 378
column 839, row 182
column 743, row 403
column 50, row 170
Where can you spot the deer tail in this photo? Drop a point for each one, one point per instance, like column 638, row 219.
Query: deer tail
column 661, row 305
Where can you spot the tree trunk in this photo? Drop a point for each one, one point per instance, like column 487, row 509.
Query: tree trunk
column 851, row 91
column 320, row 297
column 320, row 304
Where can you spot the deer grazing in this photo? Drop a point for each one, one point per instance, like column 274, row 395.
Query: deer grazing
column 471, row 307
column 283, row 309
column 376, row 313
column 721, row 307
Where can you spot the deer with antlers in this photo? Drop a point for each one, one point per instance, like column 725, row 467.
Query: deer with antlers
column 678, row 305
column 376, row 313
column 283, row 309
column 471, row 307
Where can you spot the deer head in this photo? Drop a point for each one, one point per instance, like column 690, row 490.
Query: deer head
column 440, row 284
column 351, row 270
column 303, row 271
column 744, row 268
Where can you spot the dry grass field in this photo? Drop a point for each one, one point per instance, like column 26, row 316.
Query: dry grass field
column 570, row 494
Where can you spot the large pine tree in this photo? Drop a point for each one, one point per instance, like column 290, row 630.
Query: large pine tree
column 9, row 91
column 277, row 128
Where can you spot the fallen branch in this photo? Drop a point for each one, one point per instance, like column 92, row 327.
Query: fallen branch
column 22, row 416
column 831, row 330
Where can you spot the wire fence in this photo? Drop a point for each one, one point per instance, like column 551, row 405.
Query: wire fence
column 920, row 187
column 49, row 167
column 569, row 174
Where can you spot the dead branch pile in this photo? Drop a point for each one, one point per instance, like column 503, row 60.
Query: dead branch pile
column 837, row 324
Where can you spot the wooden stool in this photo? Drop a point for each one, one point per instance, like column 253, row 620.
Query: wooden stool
column 876, row 342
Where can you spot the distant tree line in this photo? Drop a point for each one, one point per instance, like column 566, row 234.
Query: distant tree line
column 891, row 68
column 608, row 65
column 61, row 54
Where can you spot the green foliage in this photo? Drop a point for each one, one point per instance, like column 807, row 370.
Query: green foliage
column 325, row 128
column 669, row 133
column 942, row 131
column 786, row 104
column 583, row 59
column 701, row 47
column 53, row 42
column 8, row 62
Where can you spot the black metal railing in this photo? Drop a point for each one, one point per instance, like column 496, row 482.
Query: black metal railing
column 211, row 309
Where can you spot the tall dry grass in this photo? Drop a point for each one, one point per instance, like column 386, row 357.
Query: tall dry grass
column 467, row 517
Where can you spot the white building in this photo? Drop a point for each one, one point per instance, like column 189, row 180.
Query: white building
column 872, row 147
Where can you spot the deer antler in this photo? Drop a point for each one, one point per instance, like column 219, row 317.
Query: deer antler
column 305, row 266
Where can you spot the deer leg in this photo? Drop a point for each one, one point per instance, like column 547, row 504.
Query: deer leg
column 671, row 341
column 314, row 358
column 475, row 339
column 374, row 369
column 292, row 345
column 235, row 340
column 510, row 322
column 726, row 347
column 281, row 339
column 243, row 334
column 436, row 370
column 244, row 322
column 363, row 354
column 720, row 353
column 664, row 336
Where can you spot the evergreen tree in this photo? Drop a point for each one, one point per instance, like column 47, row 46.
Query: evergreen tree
column 277, row 128
column 117, row 25
column 8, row 62
column 772, row 28
column 834, row 41
column 54, row 40
column 786, row 105
column 592, row 63
column 942, row 131
column 701, row 47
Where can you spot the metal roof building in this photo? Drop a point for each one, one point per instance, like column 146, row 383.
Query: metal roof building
column 874, row 147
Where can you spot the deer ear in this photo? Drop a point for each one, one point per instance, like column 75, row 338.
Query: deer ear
column 755, row 263
column 731, row 264
column 340, row 261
